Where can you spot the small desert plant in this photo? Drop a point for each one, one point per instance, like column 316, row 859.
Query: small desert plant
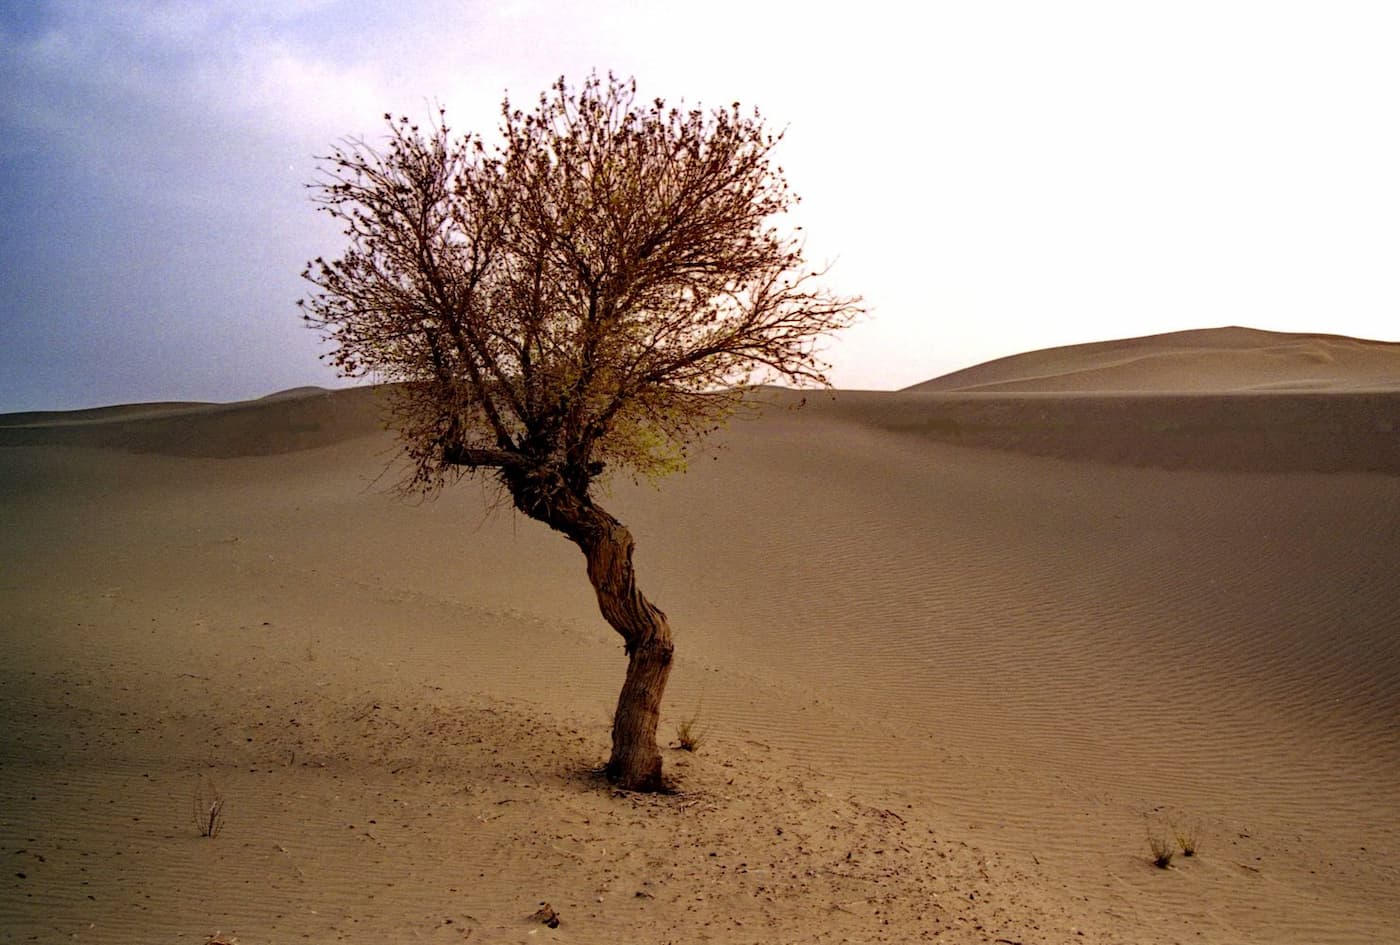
column 208, row 808
column 1186, row 839
column 689, row 733
column 1162, row 850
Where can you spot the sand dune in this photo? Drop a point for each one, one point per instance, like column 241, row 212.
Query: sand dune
column 299, row 419
column 1349, row 431
column 1214, row 360
column 956, row 655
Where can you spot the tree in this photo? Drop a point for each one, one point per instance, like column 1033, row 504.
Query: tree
column 592, row 293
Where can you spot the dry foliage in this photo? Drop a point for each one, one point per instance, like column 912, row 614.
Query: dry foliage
column 1186, row 839
column 594, row 289
column 1162, row 850
column 689, row 734
column 207, row 808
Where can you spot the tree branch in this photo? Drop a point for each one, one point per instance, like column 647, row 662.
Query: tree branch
column 455, row 454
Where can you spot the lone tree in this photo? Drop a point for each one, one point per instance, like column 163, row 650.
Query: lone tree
column 594, row 292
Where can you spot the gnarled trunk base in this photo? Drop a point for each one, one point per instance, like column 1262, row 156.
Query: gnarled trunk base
column 636, row 760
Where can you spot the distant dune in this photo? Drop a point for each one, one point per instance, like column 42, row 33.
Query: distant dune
column 296, row 393
column 956, row 651
column 1219, row 399
column 303, row 418
column 1214, row 360
column 101, row 414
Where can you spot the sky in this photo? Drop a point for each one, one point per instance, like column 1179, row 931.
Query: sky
column 991, row 177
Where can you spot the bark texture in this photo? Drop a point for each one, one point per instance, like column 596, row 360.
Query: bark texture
column 636, row 760
column 607, row 546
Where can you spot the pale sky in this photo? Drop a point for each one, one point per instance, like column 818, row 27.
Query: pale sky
column 993, row 177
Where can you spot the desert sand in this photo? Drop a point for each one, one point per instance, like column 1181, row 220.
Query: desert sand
column 956, row 653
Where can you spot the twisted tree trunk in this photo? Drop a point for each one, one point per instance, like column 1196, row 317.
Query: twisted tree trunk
column 636, row 760
column 607, row 545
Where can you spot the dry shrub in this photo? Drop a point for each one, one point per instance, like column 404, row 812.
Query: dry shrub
column 689, row 735
column 207, row 808
column 1162, row 850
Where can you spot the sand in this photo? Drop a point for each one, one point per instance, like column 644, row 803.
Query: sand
column 955, row 652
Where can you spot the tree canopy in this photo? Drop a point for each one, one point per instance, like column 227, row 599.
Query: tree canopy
column 594, row 289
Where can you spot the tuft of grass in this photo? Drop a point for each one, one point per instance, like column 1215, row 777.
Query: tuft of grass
column 1186, row 840
column 1162, row 850
column 689, row 733
column 208, row 808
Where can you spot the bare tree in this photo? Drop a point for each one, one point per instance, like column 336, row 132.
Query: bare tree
column 593, row 292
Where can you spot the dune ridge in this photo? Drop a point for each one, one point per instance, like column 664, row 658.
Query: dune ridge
column 302, row 418
column 1219, row 360
column 1350, row 431
column 1276, row 432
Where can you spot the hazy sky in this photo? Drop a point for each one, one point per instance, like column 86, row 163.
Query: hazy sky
column 992, row 176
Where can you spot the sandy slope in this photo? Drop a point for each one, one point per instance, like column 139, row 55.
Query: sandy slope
column 1205, row 360
column 948, row 689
